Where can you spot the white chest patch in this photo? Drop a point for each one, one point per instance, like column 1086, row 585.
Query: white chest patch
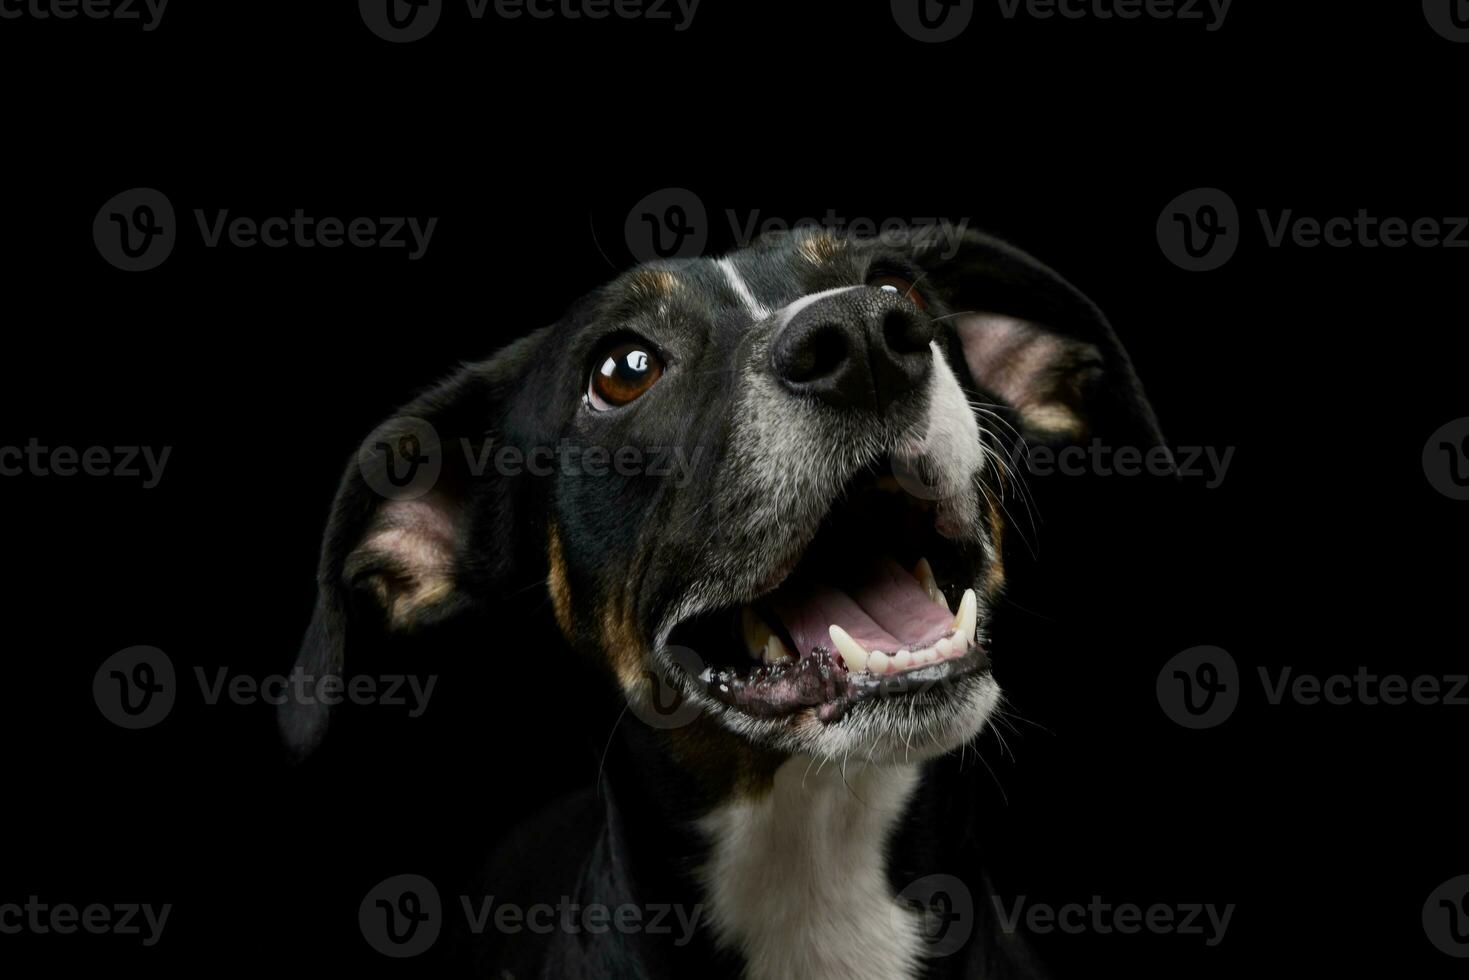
column 797, row 881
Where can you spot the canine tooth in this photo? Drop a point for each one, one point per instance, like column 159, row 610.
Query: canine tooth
column 967, row 618
column 923, row 571
column 902, row 660
column 757, row 634
column 849, row 649
column 776, row 651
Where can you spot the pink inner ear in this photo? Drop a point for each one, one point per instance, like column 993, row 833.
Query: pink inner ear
column 1008, row 356
column 1024, row 365
column 413, row 544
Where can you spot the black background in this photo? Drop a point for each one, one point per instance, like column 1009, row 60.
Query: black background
column 1327, row 369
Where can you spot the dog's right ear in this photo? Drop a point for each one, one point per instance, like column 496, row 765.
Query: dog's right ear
column 419, row 531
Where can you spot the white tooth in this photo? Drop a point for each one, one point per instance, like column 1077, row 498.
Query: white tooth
column 879, row 663
column 757, row 634
column 968, row 617
column 923, row 571
column 902, row 660
column 848, row 649
column 776, row 651
column 944, row 648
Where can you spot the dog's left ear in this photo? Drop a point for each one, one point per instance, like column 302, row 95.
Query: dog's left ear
column 1034, row 341
column 419, row 531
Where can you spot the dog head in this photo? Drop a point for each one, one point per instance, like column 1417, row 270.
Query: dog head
column 775, row 480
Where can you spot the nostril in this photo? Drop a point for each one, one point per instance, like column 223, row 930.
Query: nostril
column 819, row 353
column 905, row 333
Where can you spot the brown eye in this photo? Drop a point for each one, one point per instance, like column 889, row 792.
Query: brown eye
column 621, row 373
column 901, row 286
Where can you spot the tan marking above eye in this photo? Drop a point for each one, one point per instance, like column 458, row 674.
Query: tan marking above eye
column 819, row 248
column 653, row 284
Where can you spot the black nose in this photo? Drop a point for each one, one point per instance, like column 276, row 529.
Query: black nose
column 864, row 348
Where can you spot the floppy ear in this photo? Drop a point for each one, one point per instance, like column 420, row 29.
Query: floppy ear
column 419, row 529
column 1034, row 341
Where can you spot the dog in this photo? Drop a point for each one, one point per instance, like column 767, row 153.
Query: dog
column 813, row 586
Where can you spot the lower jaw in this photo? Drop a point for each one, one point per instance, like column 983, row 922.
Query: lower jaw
column 817, row 682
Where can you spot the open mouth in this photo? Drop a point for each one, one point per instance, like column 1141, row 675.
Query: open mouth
column 880, row 604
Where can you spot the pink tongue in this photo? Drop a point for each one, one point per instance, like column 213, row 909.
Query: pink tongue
column 886, row 609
